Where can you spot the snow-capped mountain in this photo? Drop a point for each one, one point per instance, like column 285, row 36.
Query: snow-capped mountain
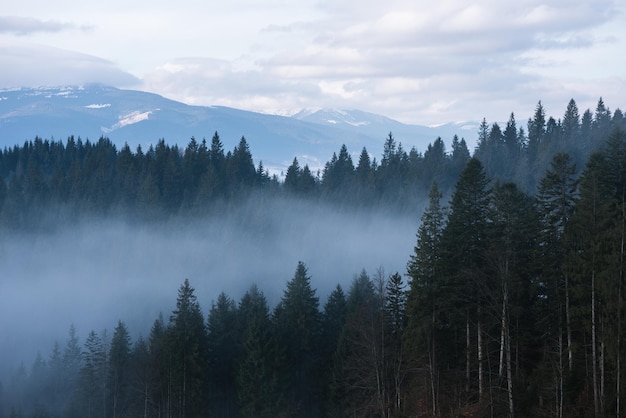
column 140, row 118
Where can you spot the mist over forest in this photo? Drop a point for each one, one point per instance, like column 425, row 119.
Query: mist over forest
column 95, row 272
column 422, row 277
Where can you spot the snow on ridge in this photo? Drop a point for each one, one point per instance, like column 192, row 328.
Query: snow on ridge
column 357, row 124
column 129, row 119
column 304, row 112
column 98, row 106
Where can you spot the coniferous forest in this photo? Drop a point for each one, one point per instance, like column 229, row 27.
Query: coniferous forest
column 511, row 303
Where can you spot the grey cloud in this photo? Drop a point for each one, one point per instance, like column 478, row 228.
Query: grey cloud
column 26, row 25
column 35, row 65
column 217, row 82
column 454, row 67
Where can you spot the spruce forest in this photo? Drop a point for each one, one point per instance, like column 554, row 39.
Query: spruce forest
column 511, row 303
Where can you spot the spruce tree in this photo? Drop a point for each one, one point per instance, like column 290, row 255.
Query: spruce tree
column 260, row 388
column 464, row 243
column 423, row 308
column 119, row 371
column 223, row 353
column 298, row 322
column 187, row 343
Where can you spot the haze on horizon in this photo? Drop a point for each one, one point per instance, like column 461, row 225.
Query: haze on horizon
column 452, row 62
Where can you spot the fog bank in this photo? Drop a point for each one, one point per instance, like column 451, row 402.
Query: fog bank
column 92, row 274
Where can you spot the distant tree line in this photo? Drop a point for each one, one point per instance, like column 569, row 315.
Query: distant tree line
column 76, row 178
column 513, row 306
column 47, row 181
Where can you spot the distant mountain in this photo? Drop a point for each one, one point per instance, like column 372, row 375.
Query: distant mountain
column 140, row 118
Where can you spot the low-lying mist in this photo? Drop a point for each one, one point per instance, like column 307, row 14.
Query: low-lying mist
column 93, row 273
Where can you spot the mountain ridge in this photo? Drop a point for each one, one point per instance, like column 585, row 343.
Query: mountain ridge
column 142, row 118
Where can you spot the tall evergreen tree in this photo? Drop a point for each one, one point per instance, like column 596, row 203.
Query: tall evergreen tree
column 423, row 299
column 223, row 353
column 298, row 321
column 512, row 242
column 260, row 387
column 119, row 368
column 557, row 198
column 464, row 244
column 188, row 345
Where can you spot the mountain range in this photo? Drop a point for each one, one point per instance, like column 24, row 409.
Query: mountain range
column 141, row 118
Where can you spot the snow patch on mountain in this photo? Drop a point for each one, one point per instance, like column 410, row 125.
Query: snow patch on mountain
column 98, row 106
column 129, row 119
column 357, row 124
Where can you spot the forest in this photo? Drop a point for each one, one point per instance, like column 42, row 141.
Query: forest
column 511, row 303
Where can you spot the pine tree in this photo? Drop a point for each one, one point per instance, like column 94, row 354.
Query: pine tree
column 160, row 364
column 243, row 171
column 364, row 177
column 119, row 371
column 586, row 263
column 223, row 353
column 333, row 322
column 557, row 198
column 355, row 389
column 512, row 242
column 298, row 321
column 464, row 245
column 612, row 286
column 141, row 377
column 188, row 349
column 395, row 317
column 422, row 304
column 260, row 388
column 93, row 377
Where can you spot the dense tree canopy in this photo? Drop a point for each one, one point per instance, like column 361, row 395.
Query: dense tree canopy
column 511, row 305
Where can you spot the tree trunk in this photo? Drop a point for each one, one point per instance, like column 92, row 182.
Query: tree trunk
column 467, row 354
column 502, row 335
column 433, row 375
column 433, row 362
column 568, row 327
column 509, row 376
column 602, row 381
column 480, row 358
column 594, row 354
column 619, row 314
column 560, row 381
column 145, row 400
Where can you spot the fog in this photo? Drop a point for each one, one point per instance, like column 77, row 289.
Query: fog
column 93, row 273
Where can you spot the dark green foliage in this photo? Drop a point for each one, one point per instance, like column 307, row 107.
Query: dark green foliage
column 298, row 321
column 187, row 345
column 514, row 305
column 119, row 371
column 223, row 352
column 425, row 323
column 260, row 386
column 47, row 181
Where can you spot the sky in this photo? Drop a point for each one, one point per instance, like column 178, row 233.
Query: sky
column 418, row 62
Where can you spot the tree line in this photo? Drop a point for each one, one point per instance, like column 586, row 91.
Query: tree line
column 511, row 305
column 46, row 181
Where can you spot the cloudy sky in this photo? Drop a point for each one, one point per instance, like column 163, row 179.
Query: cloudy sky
column 416, row 61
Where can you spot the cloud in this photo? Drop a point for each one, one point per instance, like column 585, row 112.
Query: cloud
column 37, row 65
column 395, row 57
column 26, row 25
column 399, row 59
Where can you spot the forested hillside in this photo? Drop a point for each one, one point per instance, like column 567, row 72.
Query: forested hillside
column 511, row 303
